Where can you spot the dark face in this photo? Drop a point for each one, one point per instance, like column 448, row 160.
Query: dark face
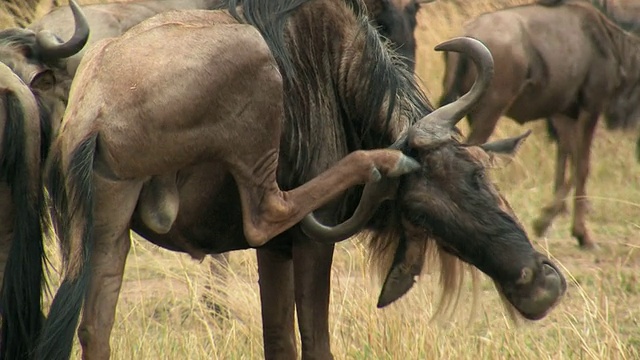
column 624, row 109
column 397, row 21
column 452, row 199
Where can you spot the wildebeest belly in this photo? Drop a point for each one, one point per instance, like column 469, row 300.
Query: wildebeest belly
column 209, row 217
column 533, row 104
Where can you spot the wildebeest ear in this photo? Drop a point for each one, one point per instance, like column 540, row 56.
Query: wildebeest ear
column 501, row 152
column 397, row 283
column 506, row 146
column 407, row 264
column 43, row 80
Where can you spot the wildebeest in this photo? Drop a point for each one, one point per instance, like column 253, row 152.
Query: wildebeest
column 302, row 92
column 38, row 58
column 566, row 61
column 396, row 21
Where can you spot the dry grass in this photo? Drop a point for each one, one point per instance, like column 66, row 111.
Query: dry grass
column 160, row 315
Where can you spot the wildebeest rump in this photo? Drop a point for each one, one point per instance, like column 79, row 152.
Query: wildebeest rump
column 36, row 56
column 308, row 97
column 568, row 62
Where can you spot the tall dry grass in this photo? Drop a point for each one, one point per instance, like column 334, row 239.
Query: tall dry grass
column 161, row 316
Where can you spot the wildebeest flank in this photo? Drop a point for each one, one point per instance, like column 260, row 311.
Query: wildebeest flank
column 47, row 65
column 310, row 95
column 568, row 62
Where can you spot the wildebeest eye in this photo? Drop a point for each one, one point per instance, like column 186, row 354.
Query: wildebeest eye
column 478, row 178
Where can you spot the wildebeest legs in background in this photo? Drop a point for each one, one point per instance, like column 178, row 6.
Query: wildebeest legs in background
column 574, row 141
column 217, row 285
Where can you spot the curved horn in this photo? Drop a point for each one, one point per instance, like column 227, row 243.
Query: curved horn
column 449, row 115
column 372, row 196
column 52, row 49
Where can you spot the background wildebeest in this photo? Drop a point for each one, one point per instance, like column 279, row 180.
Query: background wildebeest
column 329, row 109
column 39, row 59
column 396, row 21
column 566, row 61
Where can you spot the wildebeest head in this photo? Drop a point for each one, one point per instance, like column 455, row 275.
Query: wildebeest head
column 451, row 202
column 30, row 55
column 396, row 21
column 623, row 111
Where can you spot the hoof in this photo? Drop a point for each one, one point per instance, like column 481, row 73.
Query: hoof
column 217, row 311
column 375, row 175
column 404, row 166
column 564, row 209
column 587, row 245
column 540, row 226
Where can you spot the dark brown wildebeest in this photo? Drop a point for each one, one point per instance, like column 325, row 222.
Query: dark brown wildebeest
column 396, row 21
column 38, row 58
column 568, row 62
column 254, row 100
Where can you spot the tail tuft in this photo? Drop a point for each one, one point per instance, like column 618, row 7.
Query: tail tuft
column 23, row 277
column 71, row 196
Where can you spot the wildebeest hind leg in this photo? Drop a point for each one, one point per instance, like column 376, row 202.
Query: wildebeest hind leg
column 267, row 211
column 566, row 129
column 114, row 204
column 587, row 124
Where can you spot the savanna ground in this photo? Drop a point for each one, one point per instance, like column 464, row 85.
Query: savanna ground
column 161, row 315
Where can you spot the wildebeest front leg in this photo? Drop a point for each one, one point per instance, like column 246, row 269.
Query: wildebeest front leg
column 275, row 268
column 312, row 273
column 115, row 202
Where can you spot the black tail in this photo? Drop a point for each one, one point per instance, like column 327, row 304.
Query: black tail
column 71, row 196
column 23, row 277
column 452, row 88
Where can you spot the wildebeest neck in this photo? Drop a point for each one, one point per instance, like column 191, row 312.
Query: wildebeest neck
column 338, row 74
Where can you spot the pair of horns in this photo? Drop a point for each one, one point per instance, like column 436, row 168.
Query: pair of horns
column 51, row 48
column 436, row 126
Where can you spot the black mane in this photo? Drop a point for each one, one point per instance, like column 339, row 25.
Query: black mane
column 330, row 105
column 23, row 40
